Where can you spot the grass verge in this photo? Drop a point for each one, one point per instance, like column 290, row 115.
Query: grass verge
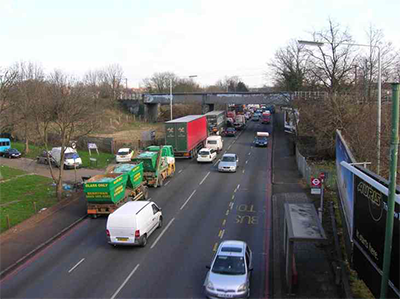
column 23, row 196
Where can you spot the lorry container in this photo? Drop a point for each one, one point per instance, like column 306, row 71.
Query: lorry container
column 187, row 135
column 216, row 121
column 157, row 165
column 107, row 192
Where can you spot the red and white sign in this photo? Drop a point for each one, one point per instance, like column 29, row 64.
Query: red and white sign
column 315, row 186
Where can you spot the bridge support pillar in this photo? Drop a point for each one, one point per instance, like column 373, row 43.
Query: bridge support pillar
column 151, row 112
column 207, row 108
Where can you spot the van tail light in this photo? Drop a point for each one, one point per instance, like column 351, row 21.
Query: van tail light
column 137, row 233
column 107, row 232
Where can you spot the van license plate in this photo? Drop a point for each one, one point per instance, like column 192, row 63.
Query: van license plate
column 122, row 239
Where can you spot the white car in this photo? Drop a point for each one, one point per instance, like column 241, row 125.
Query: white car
column 124, row 155
column 206, row 155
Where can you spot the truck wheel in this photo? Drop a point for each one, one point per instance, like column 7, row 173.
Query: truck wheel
column 161, row 182
column 93, row 216
column 159, row 223
column 145, row 192
column 144, row 241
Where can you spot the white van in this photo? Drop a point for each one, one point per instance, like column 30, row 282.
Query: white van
column 133, row 223
column 71, row 157
column 215, row 143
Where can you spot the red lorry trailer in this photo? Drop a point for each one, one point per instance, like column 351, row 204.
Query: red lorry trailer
column 187, row 135
column 266, row 117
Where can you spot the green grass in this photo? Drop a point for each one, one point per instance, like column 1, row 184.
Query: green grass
column 8, row 173
column 19, row 194
column 103, row 159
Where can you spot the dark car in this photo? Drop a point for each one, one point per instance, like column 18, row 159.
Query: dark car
column 11, row 153
column 43, row 158
column 230, row 132
column 261, row 141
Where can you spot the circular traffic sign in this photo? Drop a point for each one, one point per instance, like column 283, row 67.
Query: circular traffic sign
column 73, row 145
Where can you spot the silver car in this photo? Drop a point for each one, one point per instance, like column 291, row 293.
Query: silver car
column 228, row 163
column 230, row 271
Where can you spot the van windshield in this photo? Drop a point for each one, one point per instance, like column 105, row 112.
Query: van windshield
column 71, row 156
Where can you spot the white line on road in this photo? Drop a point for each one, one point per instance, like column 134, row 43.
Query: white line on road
column 243, row 171
column 73, row 268
column 238, row 186
column 204, row 178
column 247, row 161
column 229, row 147
column 167, row 183
column 188, row 199
column 124, row 283
column 180, row 171
column 217, row 162
column 149, row 199
column 165, row 229
column 249, row 154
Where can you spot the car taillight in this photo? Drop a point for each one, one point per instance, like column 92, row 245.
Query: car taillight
column 107, row 232
column 137, row 233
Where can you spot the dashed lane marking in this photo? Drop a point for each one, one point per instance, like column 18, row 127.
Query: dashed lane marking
column 124, row 283
column 204, row 178
column 162, row 233
column 74, row 267
column 188, row 199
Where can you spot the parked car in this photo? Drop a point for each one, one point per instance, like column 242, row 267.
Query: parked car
column 124, row 155
column 228, row 163
column 133, row 223
column 44, row 158
column 11, row 153
column 230, row 271
column 230, row 132
column 206, row 155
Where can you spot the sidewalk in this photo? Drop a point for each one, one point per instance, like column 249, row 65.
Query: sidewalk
column 315, row 277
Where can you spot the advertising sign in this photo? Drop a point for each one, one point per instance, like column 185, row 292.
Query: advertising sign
column 370, row 210
column 345, row 180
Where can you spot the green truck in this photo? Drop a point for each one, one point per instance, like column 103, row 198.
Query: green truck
column 107, row 192
column 158, row 164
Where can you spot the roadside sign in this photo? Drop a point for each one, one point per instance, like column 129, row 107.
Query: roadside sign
column 92, row 146
column 315, row 186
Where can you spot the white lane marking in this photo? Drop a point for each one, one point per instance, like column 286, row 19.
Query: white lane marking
column 238, row 186
column 247, row 161
column 249, row 154
column 188, row 199
column 224, row 152
column 243, row 171
column 217, row 162
column 205, row 178
column 229, row 147
column 149, row 199
column 167, row 183
column 124, row 283
column 180, row 171
column 73, row 268
column 162, row 233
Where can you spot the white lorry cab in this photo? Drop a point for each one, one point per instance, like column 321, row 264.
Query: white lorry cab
column 215, row 142
column 71, row 157
column 133, row 223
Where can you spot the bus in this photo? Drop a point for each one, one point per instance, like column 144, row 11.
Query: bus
column 5, row 144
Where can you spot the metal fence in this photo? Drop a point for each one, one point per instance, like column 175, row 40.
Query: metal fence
column 308, row 171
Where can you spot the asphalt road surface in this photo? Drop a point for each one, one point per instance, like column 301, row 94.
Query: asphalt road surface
column 201, row 207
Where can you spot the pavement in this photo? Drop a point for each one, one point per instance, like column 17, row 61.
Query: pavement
column 315, row 276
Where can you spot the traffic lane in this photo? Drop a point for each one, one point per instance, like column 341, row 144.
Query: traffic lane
column 55, row 273
column 180, row 257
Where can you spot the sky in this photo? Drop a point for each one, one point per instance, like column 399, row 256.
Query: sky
column 210, row 39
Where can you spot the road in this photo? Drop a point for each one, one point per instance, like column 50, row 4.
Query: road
column 201, row 207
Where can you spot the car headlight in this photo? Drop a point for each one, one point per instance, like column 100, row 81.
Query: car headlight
column 242, row 288
column 210, row 286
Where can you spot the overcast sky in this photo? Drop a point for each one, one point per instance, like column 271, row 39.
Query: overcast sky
column 210, row 38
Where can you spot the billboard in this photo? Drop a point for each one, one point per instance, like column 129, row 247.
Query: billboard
column 345, row 181
column 370, row 213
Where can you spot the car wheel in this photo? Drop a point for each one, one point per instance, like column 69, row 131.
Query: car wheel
column 144, row 241
column 9, row 157
column 160, row 223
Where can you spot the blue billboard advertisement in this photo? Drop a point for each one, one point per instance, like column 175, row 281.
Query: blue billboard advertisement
column 345, row 181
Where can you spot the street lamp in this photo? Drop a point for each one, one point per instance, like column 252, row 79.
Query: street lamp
column 170, row 93
column 378, row 133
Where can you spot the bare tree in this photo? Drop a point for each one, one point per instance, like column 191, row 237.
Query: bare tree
column 228, row 83
column 332, row 64
column 160, row 82
column 8, row 79
column 288, row 67
column 30, row 84
column 110, row 82
column 66, row 111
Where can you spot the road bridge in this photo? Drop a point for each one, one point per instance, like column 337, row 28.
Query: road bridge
column 152, row 101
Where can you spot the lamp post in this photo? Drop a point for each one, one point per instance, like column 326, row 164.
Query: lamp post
column 378, row 133
column 170, row 94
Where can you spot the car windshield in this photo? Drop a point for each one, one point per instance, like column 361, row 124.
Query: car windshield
column 13, row 150
column 71, row 156
column 212, row 141
column 230, row 265
column 231, row 129
column 228, row 159
column 261, row 139
column 123, row 152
